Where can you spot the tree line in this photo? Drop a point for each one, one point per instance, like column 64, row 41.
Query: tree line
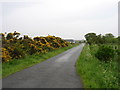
column 106, row 46
column 93, row 38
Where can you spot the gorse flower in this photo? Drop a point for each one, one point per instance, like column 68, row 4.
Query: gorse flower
column 18, row 47
column 5, row 55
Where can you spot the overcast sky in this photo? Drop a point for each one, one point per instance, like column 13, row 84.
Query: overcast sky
column 63, row 18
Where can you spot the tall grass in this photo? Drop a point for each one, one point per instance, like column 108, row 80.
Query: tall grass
column 95, row 73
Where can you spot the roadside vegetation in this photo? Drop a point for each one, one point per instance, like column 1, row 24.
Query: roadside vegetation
column 98, row 62
column 15, row 65
column 16, row 47
column 21, row 52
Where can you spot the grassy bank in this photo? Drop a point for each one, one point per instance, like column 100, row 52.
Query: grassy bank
column 95, row 73
column 19, row 64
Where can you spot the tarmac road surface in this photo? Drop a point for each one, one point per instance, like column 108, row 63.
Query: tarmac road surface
column 56, row 72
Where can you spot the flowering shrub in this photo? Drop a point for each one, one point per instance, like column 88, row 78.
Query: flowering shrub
column 18, row 47
column 5, row 55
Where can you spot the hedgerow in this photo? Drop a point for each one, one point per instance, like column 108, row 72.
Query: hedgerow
column 105, row 53
column 15, row 47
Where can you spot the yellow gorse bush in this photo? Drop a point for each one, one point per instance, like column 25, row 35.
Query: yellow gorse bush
column 5, row 55
column 15, row 47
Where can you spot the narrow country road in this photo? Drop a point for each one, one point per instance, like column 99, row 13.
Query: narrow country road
column 56, row 72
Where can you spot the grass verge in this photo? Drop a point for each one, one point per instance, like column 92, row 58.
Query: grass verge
column 94, row 73
column 13, row 66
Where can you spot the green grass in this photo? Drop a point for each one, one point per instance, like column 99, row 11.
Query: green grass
column 95, row 73
column 19, row 64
